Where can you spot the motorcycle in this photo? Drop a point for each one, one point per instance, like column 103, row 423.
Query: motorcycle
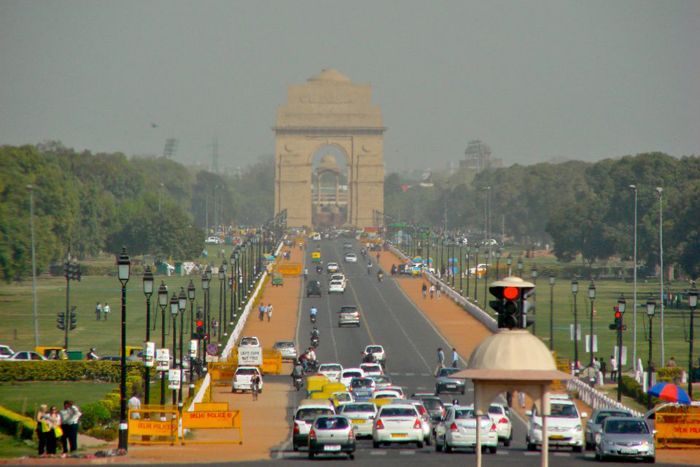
column 298, row 382
column 314, row 341
column 311, row 367
column 313, row 319
column 380, row 276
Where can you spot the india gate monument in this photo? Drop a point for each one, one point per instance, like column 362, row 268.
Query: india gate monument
column 329, row 166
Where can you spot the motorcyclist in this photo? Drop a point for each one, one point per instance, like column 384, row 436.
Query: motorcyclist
column 312, row 313
column 298, row 370
column 380, row 275
column 306, row 273
column 369, row 267
column 368, row 358
column 315, row 333
column 311, row 355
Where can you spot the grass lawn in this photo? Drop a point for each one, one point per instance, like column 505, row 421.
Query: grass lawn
column 12, row 448
column 25, row 397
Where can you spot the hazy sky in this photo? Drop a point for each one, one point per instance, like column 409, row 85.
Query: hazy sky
column 535, row 80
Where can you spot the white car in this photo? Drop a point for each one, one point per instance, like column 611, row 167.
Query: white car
column 349, row 373
column 339, row 276
column 361, row 415
column 377, row 351
column 372, row 369
column 350, row 258
column 6, row 352
column 397, row 423
column 243, row 379
column 500, row 414
column 349, row 314
column 563, row 424
column 304, row 417
column 249, row 341
column 425, row 417
column 457, row 429
column 213, row 240
column 25, row 355
column 387, row 394
column 332, row 371
column 336, row 287
column 332, row 267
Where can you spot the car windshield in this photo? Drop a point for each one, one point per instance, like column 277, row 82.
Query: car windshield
column 245, row 371
column 563, row 411
column 447, row 371
column 461, row 414
column 351, row 374
column 361, row 383
column 626, row 427
column 603, row 415
column 330, row 368
column 249, row 341
column 348, row 309
column 381, row 379
column 331, row 423
column 387, row 395
column 373, row 349
column 284, row 345
column 309, row 414
column 398, row 412
column 495, row 410
column 355, row 408
column 432, row 404
column 371, row 367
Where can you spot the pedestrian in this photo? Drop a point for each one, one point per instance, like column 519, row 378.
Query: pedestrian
column 521, row 399
column 269, row 312
column 455, row 358
column 671, row 362
column 255, row 385
column 42, row 427
column 432, row 291
column 613, row 368
column 261, row 311
column 55, row 432
column 98, row 311
column 105, row 311
column 438, row 291
column 70, row 420
column 440, row 360
column 134, row 405
column 603, row 368
column 64, row 413
column 424, row 289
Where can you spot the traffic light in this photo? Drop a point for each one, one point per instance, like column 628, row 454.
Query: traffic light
column 617, row 324
column 73, row 319
column 61, row 321
column 199, row 332
column 511, row 305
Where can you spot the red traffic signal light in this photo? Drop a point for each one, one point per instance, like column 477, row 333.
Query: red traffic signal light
column 200, row 323
column 618, row 315
column 511, row 293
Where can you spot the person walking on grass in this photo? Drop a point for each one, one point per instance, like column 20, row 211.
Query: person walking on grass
column 98, row 311
column 269, row 312
column 105, row 311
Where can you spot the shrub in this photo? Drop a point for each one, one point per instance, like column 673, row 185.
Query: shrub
column 108, row 432
column 669, row 374
column 15, row 424
column 94, row 413
column 64, row 370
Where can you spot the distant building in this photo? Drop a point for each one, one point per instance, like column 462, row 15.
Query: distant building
column 477, row 157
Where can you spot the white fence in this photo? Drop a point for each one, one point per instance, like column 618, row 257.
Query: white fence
column 594, row 398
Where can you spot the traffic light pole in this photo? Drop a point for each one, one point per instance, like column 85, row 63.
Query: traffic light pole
column 619, row 358
column 66, row 322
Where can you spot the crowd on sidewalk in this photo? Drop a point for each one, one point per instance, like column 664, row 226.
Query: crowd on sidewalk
column 57, row 427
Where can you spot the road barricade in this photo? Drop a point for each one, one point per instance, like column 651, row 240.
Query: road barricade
column 678, row 427
column 289, row 269
column 154, row 424
column 221, row 373
column 272, row 362
column 213, row 416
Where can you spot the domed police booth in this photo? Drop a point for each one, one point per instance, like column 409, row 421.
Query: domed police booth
column 512, row 360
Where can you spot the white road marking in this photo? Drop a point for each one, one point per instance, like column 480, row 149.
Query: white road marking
column 407, row 453
column 410, row 374
column 502, row 453
column 561, row 454
column 377, row 453
column 531, row 454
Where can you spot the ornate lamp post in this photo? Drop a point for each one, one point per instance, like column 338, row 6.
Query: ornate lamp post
column 469, row 272
column 147, row 291
column 621, row 305
column 206, row 277
column 551, row 311
column 534, row 273
column 591, row 298
column 476, row 275
column 651, row 308
column 123, row 272
column 162, row 303
column 174, row 308
column 191, row 296
column 231, row 282
column 498, row 264
column 181, row 307
column 509, row 263
column 692, row 303
column 222, row 297
column 574, row 292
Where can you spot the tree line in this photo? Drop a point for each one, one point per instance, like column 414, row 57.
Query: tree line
column 86, row 203
column 584, row 210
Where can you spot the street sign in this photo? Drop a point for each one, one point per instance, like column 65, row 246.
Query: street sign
column 174, row 379
column 162, row 359
column 149, row 353
column 194, row 343
column 212, row 349
column 250, row 356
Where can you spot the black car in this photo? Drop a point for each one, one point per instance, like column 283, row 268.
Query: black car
column 313, row 288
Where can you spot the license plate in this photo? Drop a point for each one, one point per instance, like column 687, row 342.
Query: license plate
column 331, row 447
column 359, row 421
column 628, row 451
column 452, row 386
column 399, row 435
column 556, row 437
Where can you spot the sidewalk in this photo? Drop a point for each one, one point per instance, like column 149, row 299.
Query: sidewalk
column 465, row 333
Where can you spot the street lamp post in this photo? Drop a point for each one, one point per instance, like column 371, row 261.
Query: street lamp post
column 124, row 269
column 222, row 295
column 147, row 291
column 469, row 271
column 487, row 254
column 173, row 312
column 476, row 275
column 534, row 273
column 621, row 305
column 191, row 296
column 206, row 277
column 235, row 285
column 181, row 307
column 461, row 271
column 551, row 311
column 498, row 264
column 35, row 313
column 651, row 308
column 660, row 191
column 574, row 291
column 692, row 303
column 520, row 266
column 634, row 279
column 509, row 263
column 162, row 303
column 591, row 298
column 231, row 282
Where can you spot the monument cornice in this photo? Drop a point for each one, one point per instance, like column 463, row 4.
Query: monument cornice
column 334, row 131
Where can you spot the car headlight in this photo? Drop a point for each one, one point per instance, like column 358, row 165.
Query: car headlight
column 597, row 438
column 577, row 428
column 644, row 443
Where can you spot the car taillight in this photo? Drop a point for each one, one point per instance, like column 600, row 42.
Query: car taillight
column 503, row 420
column 417, row 423
column 421, row 410
column 312, row 434
column 296, row 428
column 380, row 425
column 454, row 427
column 351, row 435
column 493, row 427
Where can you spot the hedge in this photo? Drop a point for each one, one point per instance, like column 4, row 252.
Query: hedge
column 64, row 370
column 15, row 424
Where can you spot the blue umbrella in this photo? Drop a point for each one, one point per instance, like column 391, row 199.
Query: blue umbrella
column 669, row 392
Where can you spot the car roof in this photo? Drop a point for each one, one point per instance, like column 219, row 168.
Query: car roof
column 311, row 403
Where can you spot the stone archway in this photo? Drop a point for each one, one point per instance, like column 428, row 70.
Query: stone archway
column 329, row 110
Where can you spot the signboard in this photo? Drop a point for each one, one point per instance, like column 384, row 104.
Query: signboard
column 149, row 354
column 162, row 359
column 250, row 356
column 194, row 344
column 211, row 419
column 212, row 349
column 174, row 379
column 152, row 427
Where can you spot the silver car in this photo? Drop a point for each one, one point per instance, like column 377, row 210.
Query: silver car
column 332, row 435
column 625, row 437
column 595, row 423
column 287, row 349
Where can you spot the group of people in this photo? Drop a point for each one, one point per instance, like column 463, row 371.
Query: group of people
column 102, row 311
column 433, row 290
column 441, row 359
column 265, row 311
column 55, row 426
column 305, row 359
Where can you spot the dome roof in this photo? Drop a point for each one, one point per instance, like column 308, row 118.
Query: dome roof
column 513, row 350
column 330, row 74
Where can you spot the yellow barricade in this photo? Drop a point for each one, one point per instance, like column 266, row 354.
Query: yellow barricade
column 205, row 406
column 332, row 387
column 221, row 373
column 154, row 424
column 272, row 362
column 219, row 418
column 678, row 427
column 315, row 383
column 289, row 269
